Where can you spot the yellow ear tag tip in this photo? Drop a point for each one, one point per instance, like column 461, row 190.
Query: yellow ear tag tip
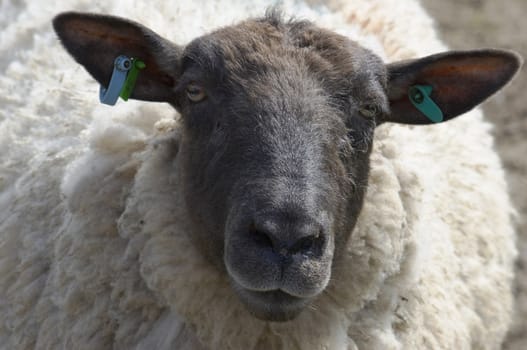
column 131, row 79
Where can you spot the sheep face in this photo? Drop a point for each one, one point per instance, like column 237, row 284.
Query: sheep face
column 277, row 126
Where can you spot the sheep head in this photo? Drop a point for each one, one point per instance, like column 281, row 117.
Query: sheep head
column 278, row 119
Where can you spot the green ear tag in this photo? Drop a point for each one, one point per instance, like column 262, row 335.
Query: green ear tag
column 420, row 97
column 131, row 78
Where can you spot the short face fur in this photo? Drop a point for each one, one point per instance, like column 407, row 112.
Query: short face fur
column 275, row 157
column 278, row 120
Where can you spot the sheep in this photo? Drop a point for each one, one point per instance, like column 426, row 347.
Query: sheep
column 308, row 217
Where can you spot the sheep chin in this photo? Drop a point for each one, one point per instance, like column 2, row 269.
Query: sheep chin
column 272, row 306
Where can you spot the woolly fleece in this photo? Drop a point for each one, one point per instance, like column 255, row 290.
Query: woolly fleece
column 94, row 252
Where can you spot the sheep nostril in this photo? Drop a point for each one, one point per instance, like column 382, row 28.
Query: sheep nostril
column 311, row 244
column 306, row 240
column 260, row 237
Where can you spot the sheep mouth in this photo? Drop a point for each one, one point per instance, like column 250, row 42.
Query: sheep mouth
column 275, row 305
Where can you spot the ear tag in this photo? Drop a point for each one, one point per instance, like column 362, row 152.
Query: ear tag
column 122, row 82
column 129, row 84
column 420, row 97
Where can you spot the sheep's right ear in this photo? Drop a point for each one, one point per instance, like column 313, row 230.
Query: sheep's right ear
column 95, row 41
column 458, row 80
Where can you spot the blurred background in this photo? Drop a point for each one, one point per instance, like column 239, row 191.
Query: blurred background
column 466, row 24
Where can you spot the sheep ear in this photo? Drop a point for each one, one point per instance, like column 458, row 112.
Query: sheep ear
column 95, row 41
column 459, row 81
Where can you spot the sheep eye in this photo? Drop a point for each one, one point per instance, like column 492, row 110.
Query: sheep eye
column 195, row 93
column 369, row 111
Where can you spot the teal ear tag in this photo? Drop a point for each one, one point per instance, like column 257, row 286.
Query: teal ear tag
column 121, row 66
column 420, row 97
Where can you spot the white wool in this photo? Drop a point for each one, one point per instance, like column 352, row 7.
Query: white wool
column 94, row 251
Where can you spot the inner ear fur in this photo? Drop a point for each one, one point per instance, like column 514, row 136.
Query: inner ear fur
column 460, row 80
column 96, row 40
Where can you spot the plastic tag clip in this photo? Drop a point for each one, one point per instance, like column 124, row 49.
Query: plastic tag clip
column 122, row 83
column 420, row 97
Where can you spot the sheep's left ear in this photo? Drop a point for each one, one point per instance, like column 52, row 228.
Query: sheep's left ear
column 95, row 41
column 460, row 80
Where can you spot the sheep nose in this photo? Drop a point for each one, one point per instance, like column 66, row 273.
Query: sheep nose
column 288, row 237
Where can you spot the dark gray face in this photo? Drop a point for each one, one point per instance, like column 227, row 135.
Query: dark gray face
column 278, row 124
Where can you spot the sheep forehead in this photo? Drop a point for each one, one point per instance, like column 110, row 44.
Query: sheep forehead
column 259, row 47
